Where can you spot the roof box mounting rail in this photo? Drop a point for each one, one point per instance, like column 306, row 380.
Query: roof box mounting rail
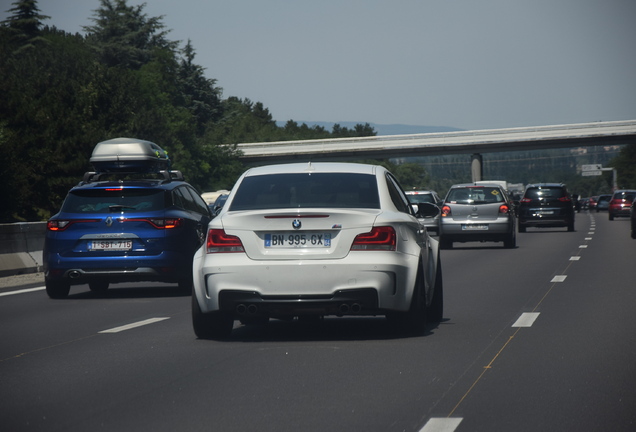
column 129, row 155
column 164, row 176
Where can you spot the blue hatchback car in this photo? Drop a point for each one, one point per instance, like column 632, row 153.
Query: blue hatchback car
column 113, row 227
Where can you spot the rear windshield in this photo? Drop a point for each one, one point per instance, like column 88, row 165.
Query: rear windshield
column 114, row 200
column 545, row 193
column 304, row 190
column 474, row 195
column 420, row 198
column 629, row 196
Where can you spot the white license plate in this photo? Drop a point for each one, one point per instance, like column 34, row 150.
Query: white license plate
column 475, row 227
column 114, row 245
column 298, row 240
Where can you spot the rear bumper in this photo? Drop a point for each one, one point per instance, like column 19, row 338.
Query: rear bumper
column 342, row 302
column 365, row 282
column 166, row 267
column 496, row 230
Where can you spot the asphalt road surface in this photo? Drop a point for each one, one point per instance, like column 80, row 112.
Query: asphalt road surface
column 538, row 338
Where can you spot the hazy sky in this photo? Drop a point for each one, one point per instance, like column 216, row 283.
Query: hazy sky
column 470, row 64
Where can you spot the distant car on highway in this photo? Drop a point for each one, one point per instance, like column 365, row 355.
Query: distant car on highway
column 621, row 203
column 218, row 204
column 602, row 203
column 426, row 196
column 546, row 205
column 477, row 212
column 316, row 239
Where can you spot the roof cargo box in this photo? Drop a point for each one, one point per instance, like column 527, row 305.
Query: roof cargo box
column 129, row 155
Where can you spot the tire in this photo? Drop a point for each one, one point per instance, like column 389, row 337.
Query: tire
column 57, row 289
column 98, row 286
column 571, row 226
column 510, row 242
column 413, row 321
column 186, row 283
column 212, row 325
column 522, row 228
column 611, row 217
column 445, row 243
column 435, row 311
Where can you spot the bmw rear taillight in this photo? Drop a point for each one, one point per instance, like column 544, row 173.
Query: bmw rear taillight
column 446, row 211
column 220, row 242
column 61, row 225
column 380, row 238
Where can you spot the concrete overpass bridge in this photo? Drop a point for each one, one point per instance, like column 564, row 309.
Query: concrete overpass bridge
column 429, row 144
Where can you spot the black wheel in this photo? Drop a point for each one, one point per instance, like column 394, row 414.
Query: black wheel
column 211, row 325
column 510, row 242
column 611, row 216
column 186, row 283
column 98, row 286
column 57, row 289
column 570, row 226
column 413, row 321
column 522, row 228
column 445, row 243
column 435, row 311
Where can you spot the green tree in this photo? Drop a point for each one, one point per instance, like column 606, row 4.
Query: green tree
column 201, row 97
column 125, row 36
column 625, row 165
column 25, row 24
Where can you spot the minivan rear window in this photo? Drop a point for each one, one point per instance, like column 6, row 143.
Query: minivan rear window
column 114, row 200
column 305, row 190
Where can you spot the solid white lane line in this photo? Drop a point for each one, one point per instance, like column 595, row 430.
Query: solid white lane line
column 526, row 319
column 441, row 424
column 134, row 325
column 559, row 278
column 24, row 291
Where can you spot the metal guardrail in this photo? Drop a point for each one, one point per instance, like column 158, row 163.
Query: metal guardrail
column 21, row 247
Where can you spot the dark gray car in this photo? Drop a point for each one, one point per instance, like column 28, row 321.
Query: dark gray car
column 546, row 205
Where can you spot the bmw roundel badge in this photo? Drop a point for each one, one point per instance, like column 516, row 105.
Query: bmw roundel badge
column 296, row 224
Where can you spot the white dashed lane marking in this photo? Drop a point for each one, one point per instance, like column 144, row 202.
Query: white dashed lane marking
column 559, row 278
column 441, row 424
column 526, row 319
column 134, row 325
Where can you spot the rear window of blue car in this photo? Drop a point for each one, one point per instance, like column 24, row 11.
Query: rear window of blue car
column 114, row 200
column 305, row 190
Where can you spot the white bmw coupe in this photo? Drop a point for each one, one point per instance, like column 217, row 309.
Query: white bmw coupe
column 317, row 239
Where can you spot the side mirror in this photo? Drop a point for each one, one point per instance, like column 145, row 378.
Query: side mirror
column 426, row 210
